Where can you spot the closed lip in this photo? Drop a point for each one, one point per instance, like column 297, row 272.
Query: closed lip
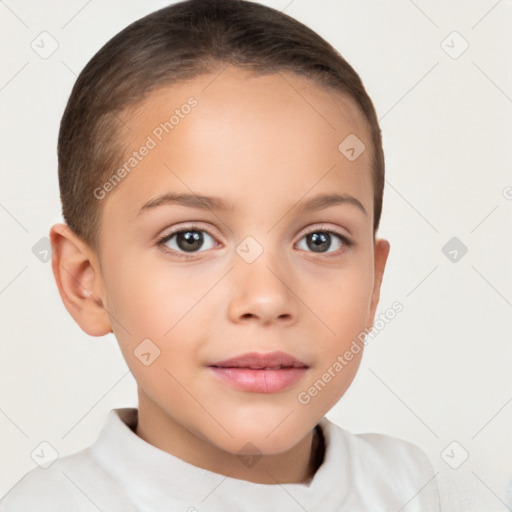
column 258, row 361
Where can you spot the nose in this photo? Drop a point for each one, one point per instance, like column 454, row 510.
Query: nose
column 262, row 292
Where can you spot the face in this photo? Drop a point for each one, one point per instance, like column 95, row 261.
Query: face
column 238, row 260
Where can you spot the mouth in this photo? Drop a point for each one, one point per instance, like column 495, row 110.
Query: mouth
column 260, row 373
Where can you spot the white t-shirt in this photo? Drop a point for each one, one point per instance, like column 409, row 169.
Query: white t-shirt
column 120, row 472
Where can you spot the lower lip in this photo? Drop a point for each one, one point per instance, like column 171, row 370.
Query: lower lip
column 259, row 381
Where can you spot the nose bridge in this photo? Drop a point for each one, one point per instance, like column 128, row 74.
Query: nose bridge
column 262, row 284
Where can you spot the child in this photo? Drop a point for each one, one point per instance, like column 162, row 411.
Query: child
column 221, row 174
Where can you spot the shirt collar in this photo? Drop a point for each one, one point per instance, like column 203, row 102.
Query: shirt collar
column 154, row 478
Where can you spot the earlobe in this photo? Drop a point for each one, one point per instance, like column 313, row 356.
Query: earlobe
column 381, row 252
column 78, row 279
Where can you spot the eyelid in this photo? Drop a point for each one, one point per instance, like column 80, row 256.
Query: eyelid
column 326, row 228
column 195, row 226
column 185, row 226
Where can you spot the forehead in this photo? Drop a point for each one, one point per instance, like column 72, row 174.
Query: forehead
column 248, row 138
column 231, row 94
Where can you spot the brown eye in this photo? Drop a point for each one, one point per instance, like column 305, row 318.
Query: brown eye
column 322, row 242
column 318, row 242
column 189, row 240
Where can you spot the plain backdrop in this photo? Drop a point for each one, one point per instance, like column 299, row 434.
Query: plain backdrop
column 439, row 374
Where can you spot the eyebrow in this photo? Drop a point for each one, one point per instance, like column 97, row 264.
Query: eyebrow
column 326, row 200
column 190, row 200
column 216, row 203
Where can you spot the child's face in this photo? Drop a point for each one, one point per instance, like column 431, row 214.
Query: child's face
column 264, row 146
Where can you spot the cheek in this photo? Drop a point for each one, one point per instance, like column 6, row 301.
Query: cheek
column 163, row 303
column 151, row 305
column 149, row 297
column 343, row 306
column 342, row 298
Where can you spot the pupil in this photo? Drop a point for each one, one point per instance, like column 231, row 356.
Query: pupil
column 319, row 242
column 189, row 240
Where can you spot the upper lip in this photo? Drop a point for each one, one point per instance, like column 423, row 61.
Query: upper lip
column 269, row 361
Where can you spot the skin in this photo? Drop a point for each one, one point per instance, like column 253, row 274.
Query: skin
column 265, row 145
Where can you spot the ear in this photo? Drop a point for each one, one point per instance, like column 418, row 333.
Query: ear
column 77, row 273
column 381, row 251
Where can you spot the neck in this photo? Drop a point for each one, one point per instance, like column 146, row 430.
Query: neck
column 297, row 465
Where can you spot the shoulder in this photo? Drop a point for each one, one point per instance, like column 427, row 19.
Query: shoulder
column 74, row 482
column 394, row 466
column 391, row 453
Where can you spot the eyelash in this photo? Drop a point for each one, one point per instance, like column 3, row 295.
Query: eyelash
column 192, row 227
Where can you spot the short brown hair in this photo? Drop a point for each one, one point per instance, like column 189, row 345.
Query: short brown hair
column 173, row 44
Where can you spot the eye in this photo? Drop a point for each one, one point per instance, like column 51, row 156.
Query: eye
column 189, row 240
column 323, row 241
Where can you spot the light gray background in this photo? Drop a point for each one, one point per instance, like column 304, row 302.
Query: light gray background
column 438, row 373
